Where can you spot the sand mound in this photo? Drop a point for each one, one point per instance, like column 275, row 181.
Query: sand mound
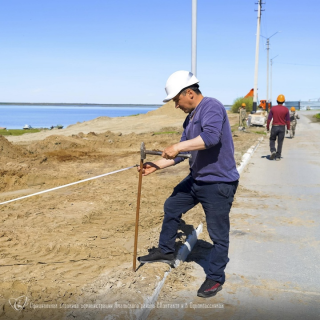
column 92, row 121
column 167, row 109
column 7, row 149
column 55, row 142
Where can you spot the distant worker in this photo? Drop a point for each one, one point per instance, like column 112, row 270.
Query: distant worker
column 293, row 121
column 281, row 119
column 243, row 117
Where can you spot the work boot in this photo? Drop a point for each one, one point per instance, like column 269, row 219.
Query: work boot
column 156, row 255
column 209, row 288
column 278, row 158
column 273, row 155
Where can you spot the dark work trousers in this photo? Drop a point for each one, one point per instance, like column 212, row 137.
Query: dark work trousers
column 216, row 200
column 277, row 131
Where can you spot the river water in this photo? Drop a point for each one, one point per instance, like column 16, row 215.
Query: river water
column 44, row 116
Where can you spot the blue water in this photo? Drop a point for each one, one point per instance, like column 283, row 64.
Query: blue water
column 17, row 116
column 43, row 116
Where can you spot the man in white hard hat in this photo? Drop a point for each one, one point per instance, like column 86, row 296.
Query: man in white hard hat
column 212, row 181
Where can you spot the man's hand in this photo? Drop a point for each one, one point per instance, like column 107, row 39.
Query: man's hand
column 183, row 146
column 170, row 152
column 287, row 132
column 148, row 168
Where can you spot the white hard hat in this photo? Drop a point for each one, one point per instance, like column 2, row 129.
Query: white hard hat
column 178, row 81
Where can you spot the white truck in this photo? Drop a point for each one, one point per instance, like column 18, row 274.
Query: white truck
column 258, row 119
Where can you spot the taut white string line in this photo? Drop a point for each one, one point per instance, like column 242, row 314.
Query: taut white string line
column 67, row 185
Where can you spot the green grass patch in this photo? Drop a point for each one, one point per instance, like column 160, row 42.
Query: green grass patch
column 317, row 116
column 260, row 132
column 235, row 127
column 17, row 132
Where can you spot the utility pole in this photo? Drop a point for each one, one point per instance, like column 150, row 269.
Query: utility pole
column 255, row 87
column 271, row 60
column 267, row 97
column 194, row 38
column 267, row 44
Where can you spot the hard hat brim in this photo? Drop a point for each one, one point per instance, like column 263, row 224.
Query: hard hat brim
column 169, row 97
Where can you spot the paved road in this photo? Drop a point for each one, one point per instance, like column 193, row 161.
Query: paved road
column 274, row 268
column 279, row 256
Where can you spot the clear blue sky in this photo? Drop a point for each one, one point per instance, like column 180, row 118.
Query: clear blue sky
column 103, row 51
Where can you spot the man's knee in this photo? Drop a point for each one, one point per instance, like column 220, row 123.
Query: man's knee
column 219, row 231
column 169, row 205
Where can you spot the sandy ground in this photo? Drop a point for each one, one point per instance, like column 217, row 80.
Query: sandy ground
column 67, row 254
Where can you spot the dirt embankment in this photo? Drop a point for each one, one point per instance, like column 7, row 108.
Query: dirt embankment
column 74, row 245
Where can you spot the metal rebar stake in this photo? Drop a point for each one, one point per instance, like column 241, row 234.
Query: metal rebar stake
column 137, row 217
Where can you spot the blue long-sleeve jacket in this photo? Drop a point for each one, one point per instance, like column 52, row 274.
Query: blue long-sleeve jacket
column 216, row 163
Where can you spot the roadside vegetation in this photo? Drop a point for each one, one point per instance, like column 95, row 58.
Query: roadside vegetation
column 317, row 116
column 238, row 102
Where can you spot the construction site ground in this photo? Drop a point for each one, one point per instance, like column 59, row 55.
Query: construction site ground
column 67, row 254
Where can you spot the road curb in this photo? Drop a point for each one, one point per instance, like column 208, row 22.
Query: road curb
column 246, row 157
